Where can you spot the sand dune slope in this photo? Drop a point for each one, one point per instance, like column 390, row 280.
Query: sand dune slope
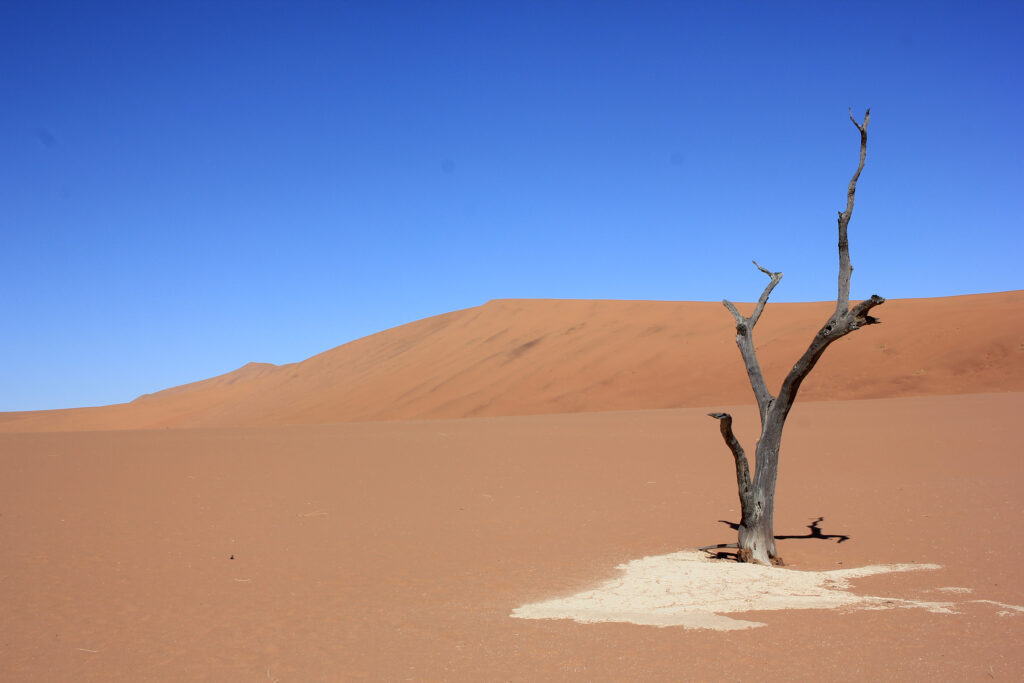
column 515, row 357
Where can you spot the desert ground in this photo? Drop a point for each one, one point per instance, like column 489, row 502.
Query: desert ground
column 383, row 510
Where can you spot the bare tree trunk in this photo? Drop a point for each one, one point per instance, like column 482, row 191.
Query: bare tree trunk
column 756, row 541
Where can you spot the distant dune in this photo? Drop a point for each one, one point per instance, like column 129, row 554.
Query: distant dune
column 520, row 357
column 391, row 550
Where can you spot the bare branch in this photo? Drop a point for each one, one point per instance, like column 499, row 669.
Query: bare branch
column 844, row 320
column 745, row 340
column 740, row 320
column 791, row 385
column 759, row 307
column 765, row 294
column 835, row 328
column 845, row 268
column 859, row 312
column 852, row 189
column 742, row 466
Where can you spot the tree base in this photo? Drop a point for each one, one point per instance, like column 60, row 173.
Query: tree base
column 747, row 555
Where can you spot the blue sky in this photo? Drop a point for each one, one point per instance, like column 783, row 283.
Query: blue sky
column 189, row 186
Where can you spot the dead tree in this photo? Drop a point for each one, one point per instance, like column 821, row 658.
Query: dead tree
column 757, row 496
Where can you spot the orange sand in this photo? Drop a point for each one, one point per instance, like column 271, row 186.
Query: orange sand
column 397, row 550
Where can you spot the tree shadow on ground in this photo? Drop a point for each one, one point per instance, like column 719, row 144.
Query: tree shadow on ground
column 814, row 533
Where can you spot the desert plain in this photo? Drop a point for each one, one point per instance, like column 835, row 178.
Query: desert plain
column 381, row 511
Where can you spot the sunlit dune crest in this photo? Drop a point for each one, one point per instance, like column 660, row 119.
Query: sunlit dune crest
column 520, row 357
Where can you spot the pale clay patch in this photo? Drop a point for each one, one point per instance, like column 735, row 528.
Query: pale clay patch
column 689, row 589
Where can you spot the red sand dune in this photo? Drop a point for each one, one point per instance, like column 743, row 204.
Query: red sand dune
column 397, row 550
column 518, row 357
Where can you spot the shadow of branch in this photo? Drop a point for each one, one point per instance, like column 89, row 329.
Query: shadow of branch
column 814, row 533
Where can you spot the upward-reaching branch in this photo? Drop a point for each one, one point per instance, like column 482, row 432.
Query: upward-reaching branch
column 845, row 268
column 765, row 294
column 742, row 466
column 745, row 340
column 844, row 320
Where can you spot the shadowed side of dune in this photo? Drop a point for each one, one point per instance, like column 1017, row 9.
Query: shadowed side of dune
column 515, row 357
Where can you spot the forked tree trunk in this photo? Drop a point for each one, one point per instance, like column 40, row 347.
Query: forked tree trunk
column 756, row 541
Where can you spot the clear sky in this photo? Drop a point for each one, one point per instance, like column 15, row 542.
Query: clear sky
column 189, row 186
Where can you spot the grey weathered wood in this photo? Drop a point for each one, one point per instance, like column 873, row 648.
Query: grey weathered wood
column 742, row 465
column 757, row 496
